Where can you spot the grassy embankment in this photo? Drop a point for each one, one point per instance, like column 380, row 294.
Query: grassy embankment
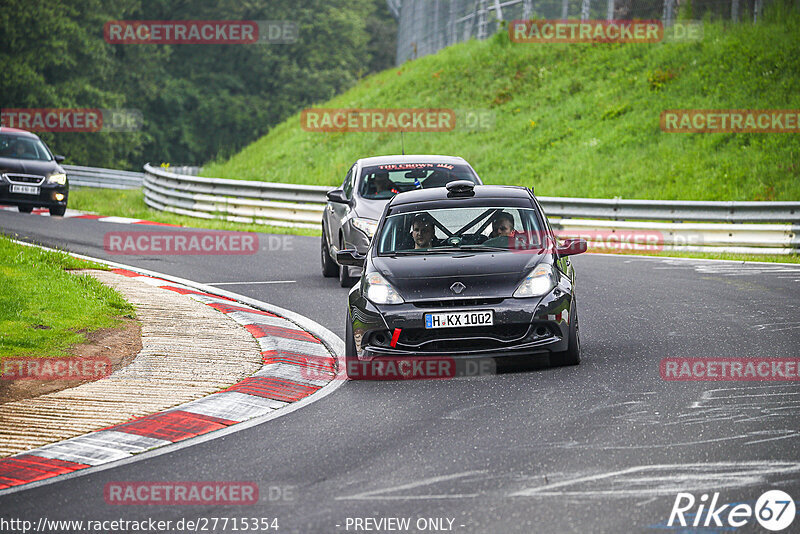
column 44, row 309
column 576, row 120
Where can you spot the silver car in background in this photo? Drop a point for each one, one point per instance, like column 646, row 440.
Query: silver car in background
column 352, row 212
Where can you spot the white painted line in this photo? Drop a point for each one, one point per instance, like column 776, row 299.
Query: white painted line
column 248, row 283
column 679, row 258
column 666, row 479
column 376, row 494
column 119, row 220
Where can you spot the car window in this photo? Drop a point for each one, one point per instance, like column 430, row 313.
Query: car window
column 480, row 229
column 347, row 186
column 21, row 147
column 385, row 181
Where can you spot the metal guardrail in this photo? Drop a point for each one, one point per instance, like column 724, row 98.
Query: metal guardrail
column 103, row 178
column 672, row 210
column 714, row 226
column 235, row 200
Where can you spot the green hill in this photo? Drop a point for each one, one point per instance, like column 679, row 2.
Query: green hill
column 575, row 119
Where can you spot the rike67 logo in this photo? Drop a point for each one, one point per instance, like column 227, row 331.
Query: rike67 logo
column 774, row 510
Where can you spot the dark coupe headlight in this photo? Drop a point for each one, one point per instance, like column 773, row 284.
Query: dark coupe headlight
column 378, row 291
column 539, row 282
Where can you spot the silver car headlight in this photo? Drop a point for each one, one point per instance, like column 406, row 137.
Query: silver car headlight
column 539, row 282
column 57, row 178
column 379, row 291
column 368, row 226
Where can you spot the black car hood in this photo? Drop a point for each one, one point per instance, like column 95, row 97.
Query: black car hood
column 29, row 166
column 485, row 274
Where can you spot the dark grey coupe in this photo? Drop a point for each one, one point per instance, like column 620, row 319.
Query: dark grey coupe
column 352, row 212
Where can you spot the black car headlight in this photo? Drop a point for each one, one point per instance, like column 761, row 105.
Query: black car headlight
column 378, row 291
column 57, row 178
column 539, row 282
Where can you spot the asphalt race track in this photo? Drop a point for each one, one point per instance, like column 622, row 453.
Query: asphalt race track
column 602, row 447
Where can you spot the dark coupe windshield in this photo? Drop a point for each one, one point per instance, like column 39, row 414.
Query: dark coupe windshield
column 21, row 147
column 385, row 181
column 453, row 229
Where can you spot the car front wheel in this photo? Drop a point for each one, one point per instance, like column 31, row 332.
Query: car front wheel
column 571, row 356
column 25, row 209
column 350, row 353
column 329, row 267
column 58, row 211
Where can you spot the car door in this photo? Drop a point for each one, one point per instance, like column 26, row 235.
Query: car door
column 337, row 212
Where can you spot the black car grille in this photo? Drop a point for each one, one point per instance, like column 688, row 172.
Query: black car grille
column 24, row 178
column 455, row 303
column 460, row 339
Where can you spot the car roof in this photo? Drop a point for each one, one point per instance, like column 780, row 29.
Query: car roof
column 17, row 131
column 411, row 158
column 439, row 194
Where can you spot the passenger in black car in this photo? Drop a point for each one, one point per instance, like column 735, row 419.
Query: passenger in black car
column 422, row 231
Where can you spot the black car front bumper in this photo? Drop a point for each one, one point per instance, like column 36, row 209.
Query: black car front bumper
column 522, row 327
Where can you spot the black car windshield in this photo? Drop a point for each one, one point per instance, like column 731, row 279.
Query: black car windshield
column 456, row 229
column 385, row 181
column 22, row 147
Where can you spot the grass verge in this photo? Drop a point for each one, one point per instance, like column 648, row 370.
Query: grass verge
column 577, row 120
column 44, row 309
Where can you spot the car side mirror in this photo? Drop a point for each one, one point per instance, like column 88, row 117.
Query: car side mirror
column 59, row 158
column 350, row 258
column 570, row 247
column 337, row 195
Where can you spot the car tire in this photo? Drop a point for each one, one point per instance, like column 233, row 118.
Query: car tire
column 329, row 267
column 58, row 211
column 571, row 356
column 25, row 209
column 350, row 353
column 345, row 280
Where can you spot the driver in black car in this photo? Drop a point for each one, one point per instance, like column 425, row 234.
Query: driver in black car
column 502, row 225
column 503, row 232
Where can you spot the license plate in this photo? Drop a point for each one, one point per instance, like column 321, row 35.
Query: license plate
column 459, row 319
column 25, row 189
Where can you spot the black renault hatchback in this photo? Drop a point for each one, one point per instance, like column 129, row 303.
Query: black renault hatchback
column 464, row 271
column 30, row 175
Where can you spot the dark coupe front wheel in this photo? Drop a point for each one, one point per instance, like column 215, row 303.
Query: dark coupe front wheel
column 571, row 356
column 329, row 267
column 58, row 211
column 349, row 345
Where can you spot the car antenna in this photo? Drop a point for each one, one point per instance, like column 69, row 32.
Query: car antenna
column 402, row 143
